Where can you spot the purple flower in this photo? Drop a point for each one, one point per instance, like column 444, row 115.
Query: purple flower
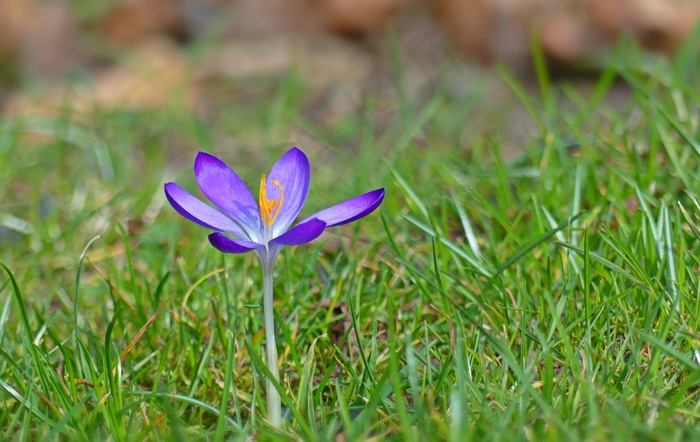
column 263, row 228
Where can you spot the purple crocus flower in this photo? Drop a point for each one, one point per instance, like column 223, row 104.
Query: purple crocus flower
column 263, row 228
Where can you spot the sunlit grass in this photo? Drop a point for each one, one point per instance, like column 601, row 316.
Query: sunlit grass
column 550, row 295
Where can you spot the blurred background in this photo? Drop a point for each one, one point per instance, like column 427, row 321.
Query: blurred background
column 116, row 54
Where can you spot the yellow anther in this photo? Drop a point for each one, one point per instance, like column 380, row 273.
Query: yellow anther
column 269, row 209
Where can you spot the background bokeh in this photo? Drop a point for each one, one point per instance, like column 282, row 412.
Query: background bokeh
column 138, row 53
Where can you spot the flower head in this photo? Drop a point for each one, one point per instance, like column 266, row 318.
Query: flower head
column 262, row 227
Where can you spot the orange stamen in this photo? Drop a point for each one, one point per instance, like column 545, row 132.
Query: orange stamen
column 269, row 209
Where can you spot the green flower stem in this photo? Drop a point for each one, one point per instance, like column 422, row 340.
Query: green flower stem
column 274, row 403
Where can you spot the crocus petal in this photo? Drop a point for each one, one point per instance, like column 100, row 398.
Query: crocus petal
column 301, row 233
column 228, row 192
column 292, row 172
column 229, row 245
column 350, row 210
column 199, row 212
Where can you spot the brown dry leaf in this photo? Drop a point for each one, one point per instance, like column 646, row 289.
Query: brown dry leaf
column 134, row 21
column 249, row 58
column 251, row 18
column 52, row 48
column 566, row 35
column 16, row 20
column 321, row 60
column 336, row 70
column 609, row 17
column 658, row 24
column 149, row 77
column 469, row 23
column 264, row 17
column 356, row 16
column 569, row 30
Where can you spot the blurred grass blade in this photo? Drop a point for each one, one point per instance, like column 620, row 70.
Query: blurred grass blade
column 69, row 132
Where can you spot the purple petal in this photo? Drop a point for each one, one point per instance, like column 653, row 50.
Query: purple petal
column 199, row 212
column 350, row 210
column 229, row 245
column 292, row 172
column 228, row 192
column 301, row 233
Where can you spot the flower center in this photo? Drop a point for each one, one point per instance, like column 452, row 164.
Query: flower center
column 269, row 209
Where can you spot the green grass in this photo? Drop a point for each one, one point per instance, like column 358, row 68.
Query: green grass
column 547, row 296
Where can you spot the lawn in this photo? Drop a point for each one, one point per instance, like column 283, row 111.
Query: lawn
column 550, row 294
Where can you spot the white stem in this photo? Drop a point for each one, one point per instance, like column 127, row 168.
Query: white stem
column 274, row 403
